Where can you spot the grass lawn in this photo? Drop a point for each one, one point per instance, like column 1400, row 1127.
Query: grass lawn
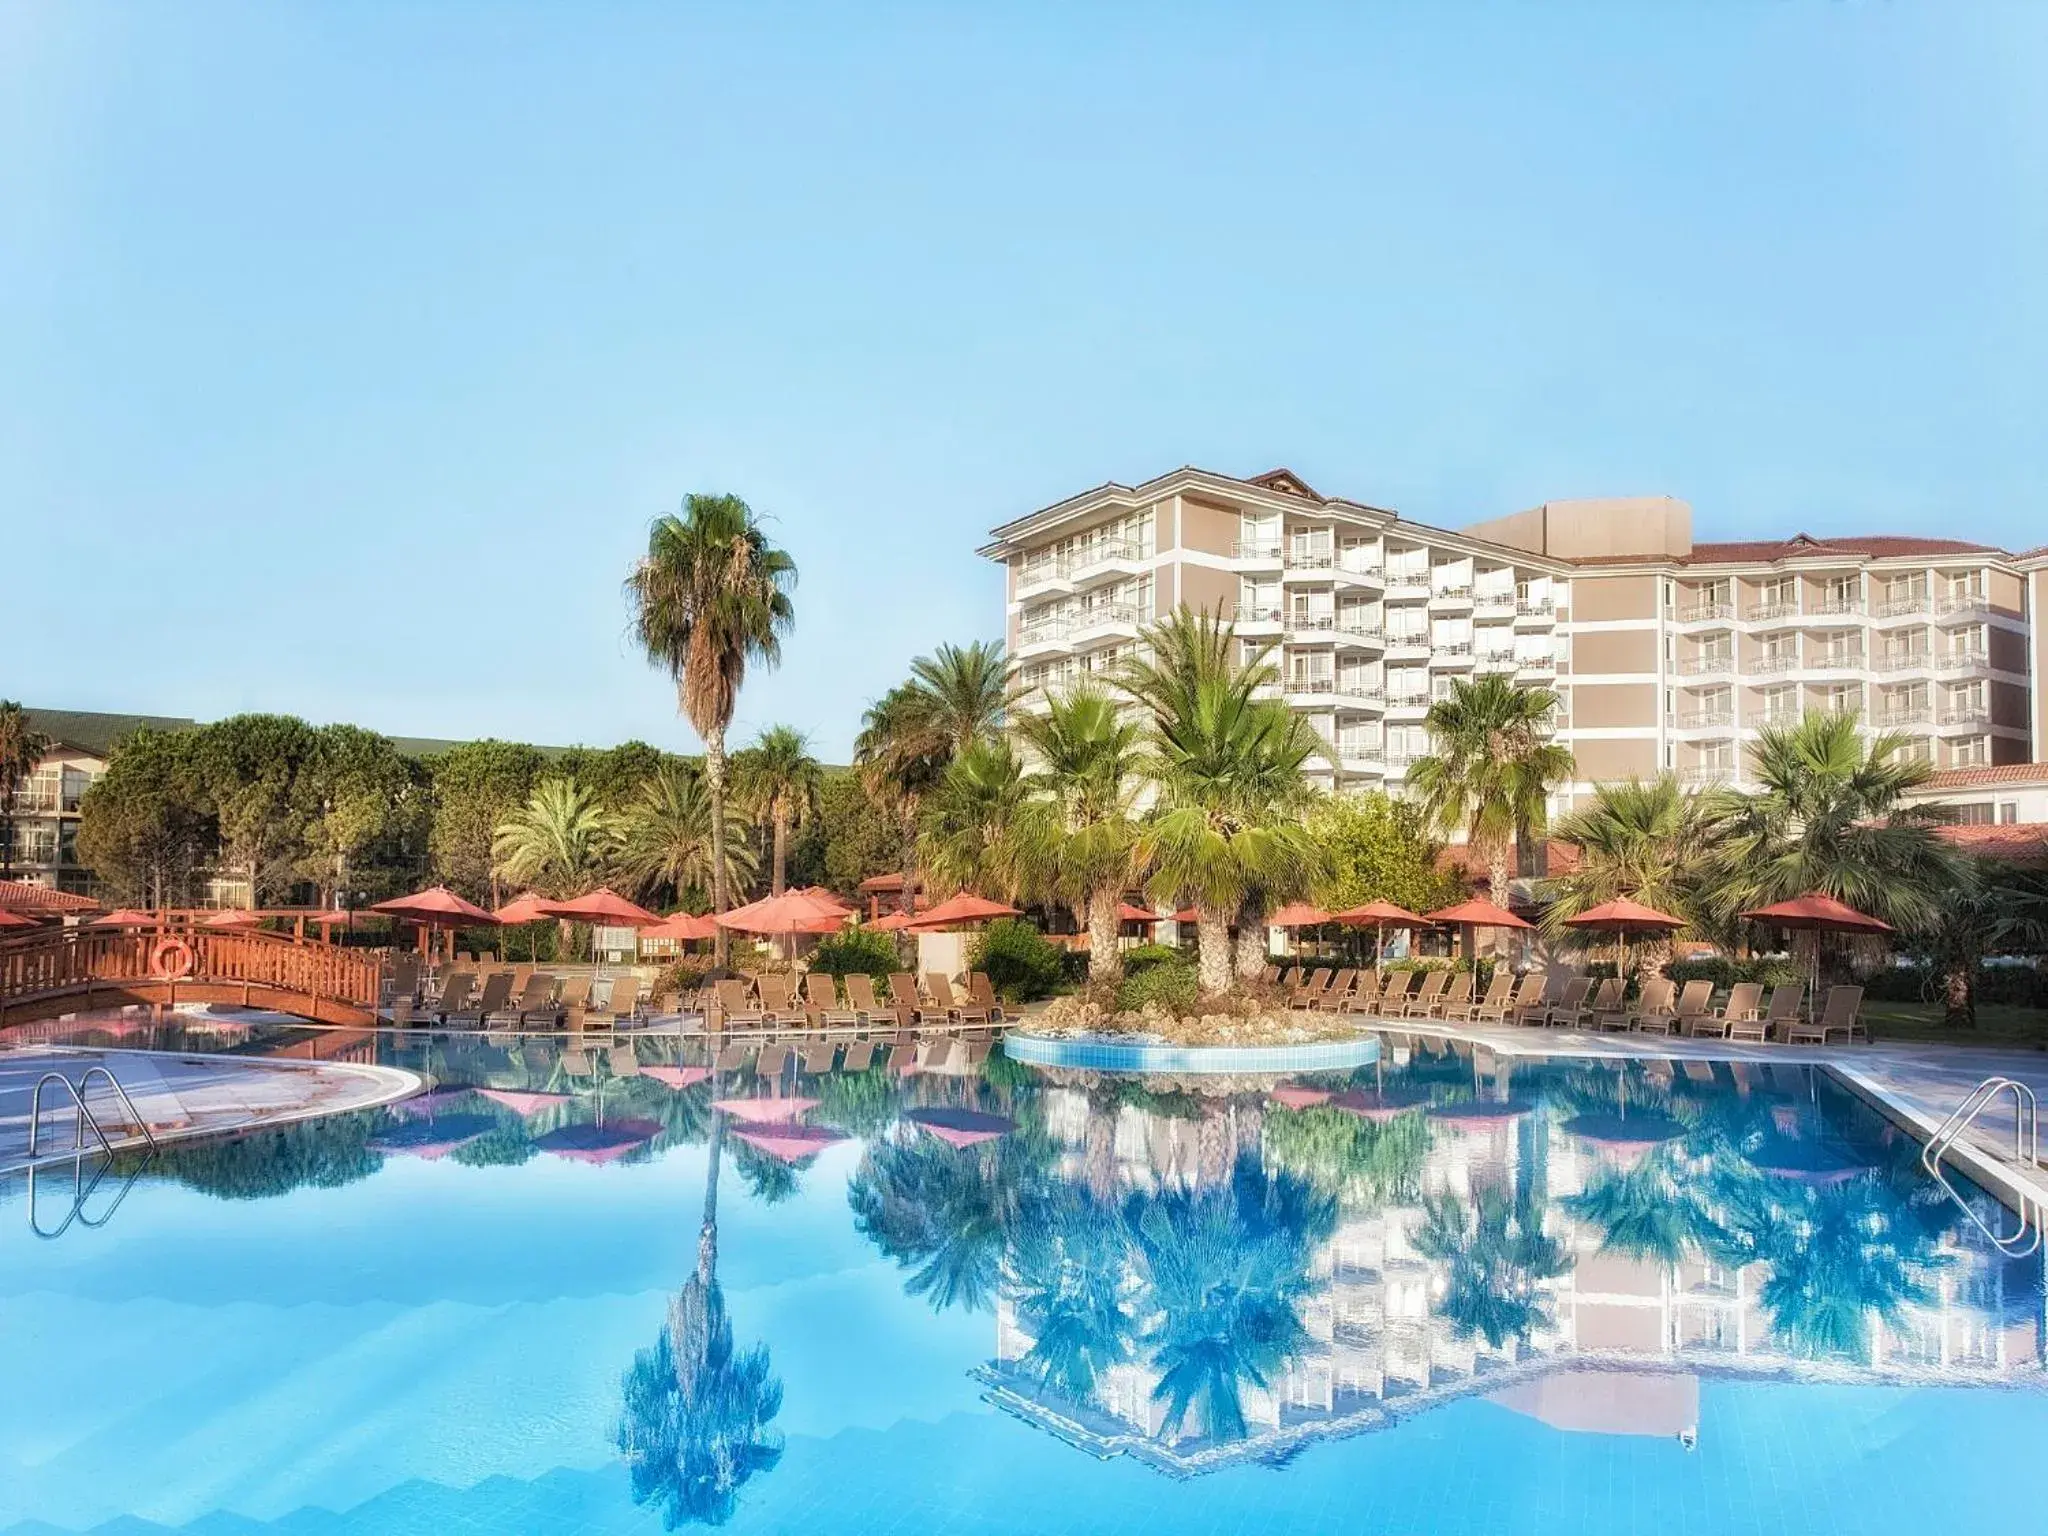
column 1996, row 1024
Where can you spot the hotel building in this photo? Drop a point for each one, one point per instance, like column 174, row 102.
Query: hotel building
column 1665, row 654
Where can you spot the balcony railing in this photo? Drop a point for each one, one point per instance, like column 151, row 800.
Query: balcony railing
column 1310, row 560
column 1105, row 615
column 1528, row 610
column 1494, row 602
column 1833, row 607
column 1455, row 593
column 1820, row 660
column 1243, row 615
column 1778, row 662
column 1897, row 607
column 1694, row 666
column 1965, row 714
column 1958, row 603
column 1706, row 773
column 1258, row 549
column 1451, row 650
column 1961, row 661
column 1901, row 661
column 1700, row 613
column 1705, row 719
column 38, row 800
column 1902, row 714
column 1102, row 552
column 1045, row 633
column 1780, row 609
column 1396, row 761
column 1496, row 661
column 1407, row 579
column 1408, row 700
column 1536, row 663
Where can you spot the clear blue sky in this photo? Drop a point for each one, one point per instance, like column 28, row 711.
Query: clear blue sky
column 347, row 349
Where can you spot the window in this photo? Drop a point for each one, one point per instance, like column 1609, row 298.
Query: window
column 1971, row 752
column 1976, row 814
column 2008, row 812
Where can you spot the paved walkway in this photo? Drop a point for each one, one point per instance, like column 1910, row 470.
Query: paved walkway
column 179, row 1096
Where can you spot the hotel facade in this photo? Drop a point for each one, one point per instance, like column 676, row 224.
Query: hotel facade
column 1666, row 655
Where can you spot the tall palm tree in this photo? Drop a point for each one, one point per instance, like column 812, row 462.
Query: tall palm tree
column 1645, row 841
column 698, row 1410
column 974, row 826
column 1492, row 769
column 903, row 751
column 1086, row 770
column 665, row 836
column 710, row 597
column 965, row 688
column 781, row 781
column 1228, row 763
column 1830, row 815
column 22, row 748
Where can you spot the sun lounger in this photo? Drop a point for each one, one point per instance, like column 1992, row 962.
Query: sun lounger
column 1606, row 998
column 454, row 995
column 536, row 998
column 1741, row 1017
column 822, row 997
column 1394, row 995
column 572, row 1001
column 1455, row 1000
column 1568, row 1005
column 983, row 991
column 817, row 1056
column 903, row 994
column 1309, row 991
column 1270, row 976
column 1694, row 999
column 1284, row 978
column 496, row 993
column 1839, row 1014
column 860, row 1055
column 622, row 1060
column 1418, row 1003
column 732, row 1057
column 1549, row 990
column 1494, row 1006
column 1782, row 1012
column 1338, row 998
column 1654, row 1010
column 736, row 1008
column 622, row 1005
column 902, row 1058
column 873, row 1012
column 958, row 1010
column 936, row 1055
column 773, row 1058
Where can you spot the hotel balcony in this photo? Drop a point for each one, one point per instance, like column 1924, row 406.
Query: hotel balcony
column 1407, row 644
column 1107, row 621
column 1962, row 661
column 1721, row 719
column 1900, row 607
column 1536, row 666
column 1904, row 714
column 1264, row 551
column 1901, row 661
column 1416, row 702
column 1495, row 661
column 1834, row 661
column 1710, row 665
column 1045, row 576
column 1407, row 583
column 1257, row 619
column 1706, row 613
column 1046, row 635
column 1707, row 773
column 1105, row 557
column 1493, row 605
column 1968, row 602
column 1770, row 666
column 1455, row 596
column 1954, row 715
column 1451, row 653
column 1766, row 613
column 1535, row 613
column 1330, row 693
column 1836, row 608
column 39, row 800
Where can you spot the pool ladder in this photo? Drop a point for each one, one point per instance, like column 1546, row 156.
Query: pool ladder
column 2026, row 1151
column 82, row 1116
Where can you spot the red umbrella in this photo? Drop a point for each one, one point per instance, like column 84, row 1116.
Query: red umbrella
column 895, row 922
column 1622, row 917
column 958, row 911
column 523, row 1104
column 606, row 906
column 1629, row 1138
column 764, row 1111
column 1131, row 912
column 527, row 908
column 232, row 919
column 1380, row 1104
column 1817, row 913
column 677, row 1078
column 437, row 908
column 1476, row 914
column 1378, row 916
column 1298, row 914
column 598, row 1143
column 120, row 917
column 683, row 926
column 790, row 1143
column 961, row 1128
column 329, row 919
column 16, row 920
column 792, row 912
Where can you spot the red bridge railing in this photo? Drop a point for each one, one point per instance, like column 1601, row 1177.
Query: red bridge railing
column 74, row 959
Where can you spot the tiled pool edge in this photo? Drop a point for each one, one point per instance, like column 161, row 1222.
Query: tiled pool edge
column 1100, row 1055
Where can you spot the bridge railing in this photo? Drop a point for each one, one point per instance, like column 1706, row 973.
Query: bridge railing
column 72, row 959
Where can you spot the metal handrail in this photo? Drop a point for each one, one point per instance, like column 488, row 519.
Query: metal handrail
column 127, row 1104
column 82, row 1114
column 2026, row 1150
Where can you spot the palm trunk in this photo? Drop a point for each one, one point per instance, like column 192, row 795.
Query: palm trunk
column 1959, row 996
column 1500, row 871
column 1251, row 936
column 714, row 777
column 1105, row 960
column 781, row 855
column 905, row 944
column 1212, row 936
column 707, row 1234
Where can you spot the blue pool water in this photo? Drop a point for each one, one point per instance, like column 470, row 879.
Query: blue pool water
column 1430, row 1295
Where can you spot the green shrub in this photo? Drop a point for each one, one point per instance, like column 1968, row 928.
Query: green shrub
column 856, row 952
column 1145, row 956
column 1724, row 972
column 1022, row 964
column 1173, row 984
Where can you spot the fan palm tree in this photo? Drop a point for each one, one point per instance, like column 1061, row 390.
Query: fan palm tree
column 965, row 689
column 1228, row 764
column 781, row 781
column 974, row 827
column 709, row 598
column 946, row 1215
column 1068, row 1272
column 698, row 1410
column 1492, row 768
column 1645, row 841
column 665, row 836
column 1991, row 909
column 1830, row 815
column 22, row 748
column 1086, row 772
column 1649, row 1210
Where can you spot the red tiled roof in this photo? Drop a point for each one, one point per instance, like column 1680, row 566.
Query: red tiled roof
column 1978, row 778
column 1867, row 546
column 22, row 896
column 2023, row 842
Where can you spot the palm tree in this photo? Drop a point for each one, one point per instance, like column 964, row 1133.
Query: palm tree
column 946, row 1215
column 1492, row 768
column 1228, row 764
column 1068, row 1272
column 665, row 836
column 22, row 748
column 781, row 781
column 974, row 824
column 1645, row 841
column 903, row 751
column 1087, row 773
column 1496, row 1259
column 965, row 689
column 1830, row 815
column 698, row 1411
column 558, row 843
column 1990, row 910
column 710, row 597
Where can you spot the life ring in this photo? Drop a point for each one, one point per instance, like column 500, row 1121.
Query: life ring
column 170, row 959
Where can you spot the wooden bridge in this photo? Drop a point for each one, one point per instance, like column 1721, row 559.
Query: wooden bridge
column 81, row 970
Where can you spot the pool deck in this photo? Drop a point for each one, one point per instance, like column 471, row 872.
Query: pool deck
column 178, row 1096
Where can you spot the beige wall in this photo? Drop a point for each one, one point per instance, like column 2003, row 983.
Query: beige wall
column 1208, row 527
column 1619, row 650
column 1202, row 588
column 1596, row 527
column 1595, row 598
column 2007, row 593
column 2008, row 650
column 1601, row 761
column 1166, row 524
column 1603, row 706
column 1165, row 589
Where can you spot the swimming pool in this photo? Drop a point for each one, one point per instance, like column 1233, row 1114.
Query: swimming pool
column 1433, row 1294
